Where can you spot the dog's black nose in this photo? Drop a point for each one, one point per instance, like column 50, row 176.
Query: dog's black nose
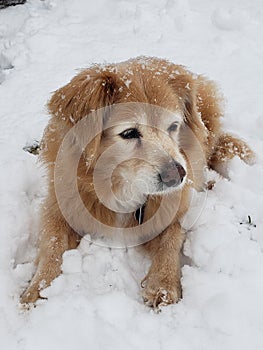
column 172, row 174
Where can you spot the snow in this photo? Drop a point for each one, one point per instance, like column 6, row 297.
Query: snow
column 96, row 302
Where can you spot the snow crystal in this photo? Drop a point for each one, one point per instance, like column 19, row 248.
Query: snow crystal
column 127, row 83
column 72, row 119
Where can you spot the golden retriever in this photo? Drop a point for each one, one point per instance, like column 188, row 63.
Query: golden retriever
column 125, row 144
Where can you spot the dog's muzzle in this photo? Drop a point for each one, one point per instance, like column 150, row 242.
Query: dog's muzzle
column 172, row 174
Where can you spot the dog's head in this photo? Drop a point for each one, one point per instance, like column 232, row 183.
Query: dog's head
column 136, row 114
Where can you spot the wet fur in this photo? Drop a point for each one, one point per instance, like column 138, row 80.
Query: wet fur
column 151, row 81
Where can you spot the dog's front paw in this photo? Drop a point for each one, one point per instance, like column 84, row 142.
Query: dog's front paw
column 157, row 294
column 31, row 295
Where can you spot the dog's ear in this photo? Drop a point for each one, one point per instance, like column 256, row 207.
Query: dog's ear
column 185, row 88
column 90, row 90
column 84, row 97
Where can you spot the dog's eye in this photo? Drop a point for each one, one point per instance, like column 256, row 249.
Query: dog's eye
column 173, row 127
column 131, row 134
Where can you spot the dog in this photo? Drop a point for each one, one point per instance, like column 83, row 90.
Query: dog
column 149, row 130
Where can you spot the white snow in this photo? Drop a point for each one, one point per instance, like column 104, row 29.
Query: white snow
column 96, row 302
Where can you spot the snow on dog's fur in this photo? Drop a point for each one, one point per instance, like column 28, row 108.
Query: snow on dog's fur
column 162, row 129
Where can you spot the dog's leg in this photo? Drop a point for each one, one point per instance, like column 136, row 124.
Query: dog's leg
column 162, row 284
column 56, row 238
column 226, row 148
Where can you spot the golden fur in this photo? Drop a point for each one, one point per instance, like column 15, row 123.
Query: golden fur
column 199, row 141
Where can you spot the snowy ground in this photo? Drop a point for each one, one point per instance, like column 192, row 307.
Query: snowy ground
column 96, row 303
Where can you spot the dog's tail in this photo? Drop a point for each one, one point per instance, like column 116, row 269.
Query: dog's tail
column 228, row 146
